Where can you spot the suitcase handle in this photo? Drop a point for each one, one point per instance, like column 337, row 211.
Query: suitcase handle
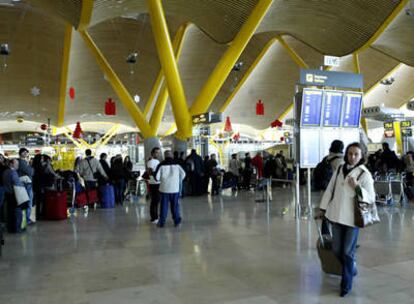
column 319, row 229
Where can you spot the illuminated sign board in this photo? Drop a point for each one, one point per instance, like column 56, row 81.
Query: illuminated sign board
column 311, row 107
column 332, row 109
column 406, row 124
column 389, row 125
column 351, row 112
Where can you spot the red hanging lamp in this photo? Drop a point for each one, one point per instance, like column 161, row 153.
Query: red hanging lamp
column 260, row 108
column 227, row 125
column 72, row 93
column 110, row 107
column 276, row 123
column 77, row 133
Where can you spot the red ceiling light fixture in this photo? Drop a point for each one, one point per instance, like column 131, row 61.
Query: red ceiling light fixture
column 77, row 133
column 110, row 107
column 72, row 93
column 43, row 127
column 260, row 108
column 276, row 124
column 227, row 125
column 236, row 136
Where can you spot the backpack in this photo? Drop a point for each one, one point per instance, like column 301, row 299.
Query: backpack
column 322, row 173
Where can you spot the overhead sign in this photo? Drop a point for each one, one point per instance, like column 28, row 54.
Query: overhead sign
column 207, row 118
column 406, row 124
column 389, row 125
column 389, row 133
column 331, row 79
column 331, row 61
column 406, row 132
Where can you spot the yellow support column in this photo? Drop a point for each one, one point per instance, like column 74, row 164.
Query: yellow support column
column 357, row 70
column 247, row 74
column 118, row 87
column 86, row 14
column 295, row 57
column 158, row 83
column 170, row 69
column 227, row 61
column 159, row 108
column 398, row 137
column 64, row 75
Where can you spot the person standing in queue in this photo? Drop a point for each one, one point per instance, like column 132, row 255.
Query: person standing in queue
column 154, row 185
column 25, row 172
column 91, row 170
column 170, row 175
column 337, row 205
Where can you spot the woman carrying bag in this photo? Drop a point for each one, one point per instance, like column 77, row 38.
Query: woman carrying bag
column 350, row 183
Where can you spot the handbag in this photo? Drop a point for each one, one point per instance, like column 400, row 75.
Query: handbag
column 96, row 175
column 21, row 195
column 365, row 214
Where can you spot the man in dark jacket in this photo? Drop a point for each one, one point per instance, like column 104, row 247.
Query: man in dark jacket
column 388, row 158
column 25, row 173
column 195, row 171
column 248, row 171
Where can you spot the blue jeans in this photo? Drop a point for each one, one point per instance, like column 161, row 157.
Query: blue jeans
column 344, row 244
column 30, row 204
column 171, row 198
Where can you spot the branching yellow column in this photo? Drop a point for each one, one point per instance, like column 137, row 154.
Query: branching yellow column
column 86, row 14
column 398, row 137
column 64, row 75
column 226, row 63
column 247, row 74
column 158, row 83
column 159, row 108
column 118, row 87
column 170, row 69
column 357, row 70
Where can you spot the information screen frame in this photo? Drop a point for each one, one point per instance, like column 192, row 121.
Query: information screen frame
column 345, row 94
column 325, row 93
column 304, row 104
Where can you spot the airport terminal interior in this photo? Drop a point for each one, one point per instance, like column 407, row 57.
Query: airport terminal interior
column 206, row 151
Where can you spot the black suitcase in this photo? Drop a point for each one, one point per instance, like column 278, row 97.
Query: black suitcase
column 329, row 262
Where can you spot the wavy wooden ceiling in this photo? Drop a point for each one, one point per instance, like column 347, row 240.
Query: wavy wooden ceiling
column 336, row 28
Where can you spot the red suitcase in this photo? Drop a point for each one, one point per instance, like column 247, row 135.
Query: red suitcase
column 81, row 200
column 56, row 205
column 92, row 195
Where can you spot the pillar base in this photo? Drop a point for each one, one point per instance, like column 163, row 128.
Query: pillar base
column 149, row 144
column 179, row 145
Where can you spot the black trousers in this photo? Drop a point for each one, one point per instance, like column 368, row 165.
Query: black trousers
column 155, row 201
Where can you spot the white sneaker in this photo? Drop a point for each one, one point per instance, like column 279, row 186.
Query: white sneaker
column 155, row 222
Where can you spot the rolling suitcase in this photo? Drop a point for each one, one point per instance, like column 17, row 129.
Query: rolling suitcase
column 81, row 200
column 329, row 263
column 56, row 205
column 107, row 195
column 92, row 195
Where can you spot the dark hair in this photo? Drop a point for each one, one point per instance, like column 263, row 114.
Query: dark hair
column 22, row 150
column 103, row 155
column 337, row 146
column 88, row 152
column 154, row 150
column 363, row 153
column 385, row 146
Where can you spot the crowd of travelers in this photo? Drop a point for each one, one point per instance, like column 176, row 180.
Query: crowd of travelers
column 24, row 182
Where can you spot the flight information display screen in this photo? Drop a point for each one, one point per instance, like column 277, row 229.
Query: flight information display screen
column 332, row 109
column 311, row 107
column 351, row 112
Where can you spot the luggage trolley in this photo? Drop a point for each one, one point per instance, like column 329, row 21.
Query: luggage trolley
column 397, row 181
column 383, row 190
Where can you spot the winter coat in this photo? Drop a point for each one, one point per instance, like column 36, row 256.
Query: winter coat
column 341, row 208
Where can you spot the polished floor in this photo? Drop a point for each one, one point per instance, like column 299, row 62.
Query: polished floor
column 228, row 250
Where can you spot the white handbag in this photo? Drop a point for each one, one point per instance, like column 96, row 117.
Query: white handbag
column 21, row 195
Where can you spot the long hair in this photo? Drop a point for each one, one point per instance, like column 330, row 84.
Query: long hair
column 363, row 153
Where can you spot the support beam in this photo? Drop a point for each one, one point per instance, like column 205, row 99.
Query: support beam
column 86, row 14
column 392, row 71
column 296, row 58
column 248, row 73
column 75, row 142
column 155, row 89
column 118, row 87
column 170, row 69
column 230, row 57
column 355, row 59
column 64, row 75
column 398, row 137
column 107, row 136
column 171, row 130
column 162, row 98
column 383, row 26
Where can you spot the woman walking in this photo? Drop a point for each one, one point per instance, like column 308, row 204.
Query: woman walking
column 337, row 205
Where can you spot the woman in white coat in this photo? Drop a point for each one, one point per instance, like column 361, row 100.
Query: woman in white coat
column 337, row 206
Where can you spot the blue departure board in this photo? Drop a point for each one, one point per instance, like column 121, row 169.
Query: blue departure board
column 332, row 109
column 351, row 112
column 311, row 107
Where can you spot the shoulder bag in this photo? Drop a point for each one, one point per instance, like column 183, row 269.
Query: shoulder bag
column 364, row 214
